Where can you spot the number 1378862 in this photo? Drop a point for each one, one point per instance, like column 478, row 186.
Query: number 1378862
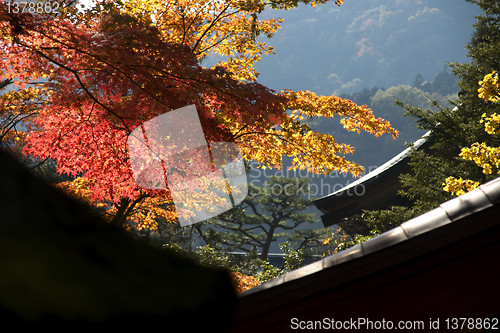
column 42, row 7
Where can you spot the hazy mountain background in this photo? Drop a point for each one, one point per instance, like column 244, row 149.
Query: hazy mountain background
column 371, row 51
column 365, row 43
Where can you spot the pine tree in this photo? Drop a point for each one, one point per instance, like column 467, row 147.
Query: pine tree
column 268, row 213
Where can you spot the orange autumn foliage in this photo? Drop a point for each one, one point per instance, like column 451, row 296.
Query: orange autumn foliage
column 243, row 282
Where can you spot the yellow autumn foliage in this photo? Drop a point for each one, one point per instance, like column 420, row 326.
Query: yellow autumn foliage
column 486, row 157
column 489, row 88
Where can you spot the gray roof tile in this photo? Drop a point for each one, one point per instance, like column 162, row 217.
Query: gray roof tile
column 466, row 204
column 386, row 239
column 492, row 190
column 306, row 270
column 350, row 253
column 426, row 222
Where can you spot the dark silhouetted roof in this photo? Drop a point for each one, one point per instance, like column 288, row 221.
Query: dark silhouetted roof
column 472, row 202
column 376, row 190
column 439, row 263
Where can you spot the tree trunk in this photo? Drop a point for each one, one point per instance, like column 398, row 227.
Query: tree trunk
column 125, row 208
column 5, row 83
column 120, row 216
column 267, row 243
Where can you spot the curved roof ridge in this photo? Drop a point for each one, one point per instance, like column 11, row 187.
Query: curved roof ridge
column 390, row 163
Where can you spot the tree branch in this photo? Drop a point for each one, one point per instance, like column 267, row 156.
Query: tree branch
column 5, row 83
